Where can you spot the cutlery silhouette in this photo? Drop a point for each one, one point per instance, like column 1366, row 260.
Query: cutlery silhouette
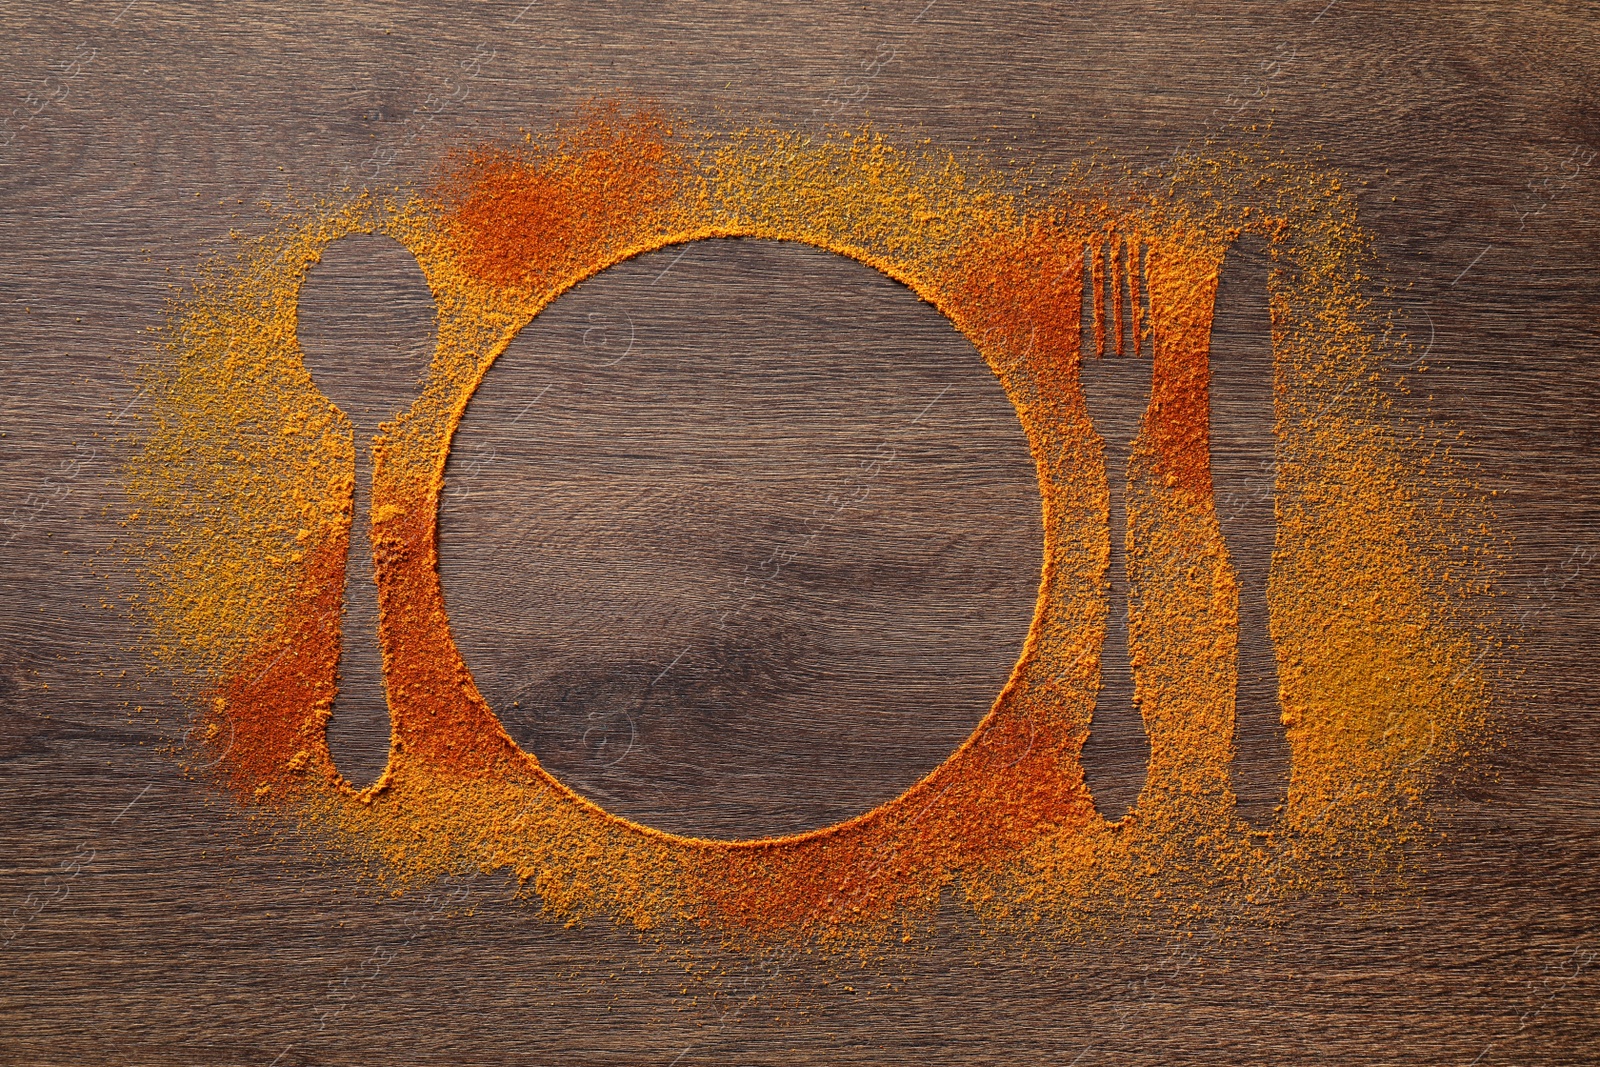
column 1116, row 389
column 1243, row 475
column 367, row 329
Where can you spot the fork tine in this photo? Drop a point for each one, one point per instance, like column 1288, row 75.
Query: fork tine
column 1097, row 275
column 1134, row 310
column 1114, row 277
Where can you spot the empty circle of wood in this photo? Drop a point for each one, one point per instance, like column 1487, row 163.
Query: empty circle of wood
column 764, row 576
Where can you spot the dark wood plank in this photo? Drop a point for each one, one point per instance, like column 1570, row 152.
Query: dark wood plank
column 149, row 922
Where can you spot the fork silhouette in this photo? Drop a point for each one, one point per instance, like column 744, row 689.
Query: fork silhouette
column 1116, row 383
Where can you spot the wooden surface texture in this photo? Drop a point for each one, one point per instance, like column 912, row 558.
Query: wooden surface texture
column 642, row 448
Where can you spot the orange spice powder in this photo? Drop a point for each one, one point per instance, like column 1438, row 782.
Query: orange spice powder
column 1380, row 645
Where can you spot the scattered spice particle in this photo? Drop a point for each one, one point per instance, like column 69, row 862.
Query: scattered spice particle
column 243, row 482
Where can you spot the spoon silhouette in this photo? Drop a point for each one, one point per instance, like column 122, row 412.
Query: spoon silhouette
column 1116, row 381
column 367, row 327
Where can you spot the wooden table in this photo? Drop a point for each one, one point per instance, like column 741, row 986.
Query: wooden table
column 644, row 443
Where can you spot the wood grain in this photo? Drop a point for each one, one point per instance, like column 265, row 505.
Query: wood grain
column 148, row 921
column 740, row 538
